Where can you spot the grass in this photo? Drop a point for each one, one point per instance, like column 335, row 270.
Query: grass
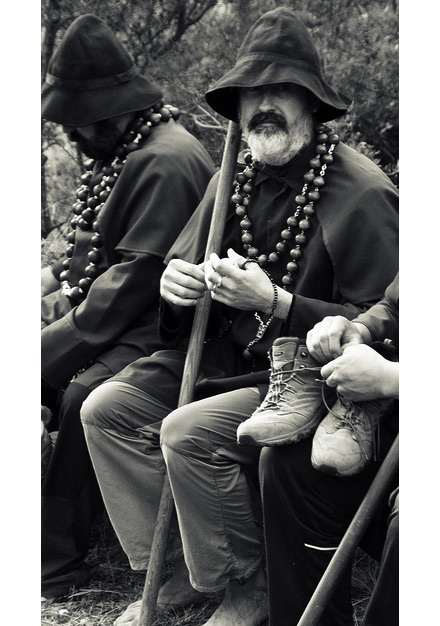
column 114, row 585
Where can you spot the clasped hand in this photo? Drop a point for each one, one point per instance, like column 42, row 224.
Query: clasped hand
column 233, row 280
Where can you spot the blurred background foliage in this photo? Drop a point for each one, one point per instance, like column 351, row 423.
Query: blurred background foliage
column 186, row 45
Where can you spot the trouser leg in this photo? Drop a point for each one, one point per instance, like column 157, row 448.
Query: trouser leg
column 211, row 494
column 383, row 607
column 70, row 501
column 121, row 425
column 306, row 514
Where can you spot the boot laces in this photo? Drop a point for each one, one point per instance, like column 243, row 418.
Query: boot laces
column 279, row 381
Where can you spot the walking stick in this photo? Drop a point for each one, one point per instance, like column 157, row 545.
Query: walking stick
column 190, row 372
column 380, row 486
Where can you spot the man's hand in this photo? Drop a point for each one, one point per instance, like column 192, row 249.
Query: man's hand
column 183, row 283
column 239, row 283
column 362, row 374
column 328, row 338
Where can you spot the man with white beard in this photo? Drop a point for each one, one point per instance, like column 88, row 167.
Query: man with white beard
column 312, row 230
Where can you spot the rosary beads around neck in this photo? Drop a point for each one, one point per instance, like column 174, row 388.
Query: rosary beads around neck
column 90, row 202
column 326, row 140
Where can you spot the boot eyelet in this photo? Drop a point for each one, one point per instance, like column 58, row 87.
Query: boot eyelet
column 304, row 353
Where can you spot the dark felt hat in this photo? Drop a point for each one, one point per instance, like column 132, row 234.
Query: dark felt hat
column 91, row 77
column 277, row 49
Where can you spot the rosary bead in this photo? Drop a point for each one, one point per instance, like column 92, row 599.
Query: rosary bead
column 322, row 137
column 321, row 148
column 300, row 239
column 240, row 210
column 117, row 167
column 304, row 224
column 252, row 252
column 155, row 119
column 92, row 271
column 82, row 193
column 300, row 200
column 237, row 198
column 97, row 189
column 97, row 241
column 89, row 164
column 281, row 246
column 246, row 237
column 66, row 264
column 94, row 256
column 263, row 260
column 69, row 250
column 88, row 215
column 132, row 146
column 295, row 253
column 292, row 221
column 76, row 293
column 85, row 283
column 309, row 210
column 247, row 354
column 145, row 130
column 129, row 136
column 121, row 152
column 86, row 177
column 107, row 170
column 79, row 207
column 292, row 266
column 245, row 201
column 104, row 195
column 165, row 114
column 83, row 224
column 313, row 196
column 95, row 226
column 315, row 163
column 248, row 187
column 287, row 280
column 64, row 276
column 241, row 178
column 250, row 174
column 273, row 257
column 318, row 181
column 74, row 222
column 309, row 176
column 71, row 237
column 174, row 111
column 248, row 157
column 286, row 234
column 245, row 223
column 334, row 138
column 327, row 159
column 92, row 202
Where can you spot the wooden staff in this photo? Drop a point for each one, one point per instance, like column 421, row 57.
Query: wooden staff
column 378, row 489
column 190, row 372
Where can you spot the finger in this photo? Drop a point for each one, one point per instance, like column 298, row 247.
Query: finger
column 327, row 370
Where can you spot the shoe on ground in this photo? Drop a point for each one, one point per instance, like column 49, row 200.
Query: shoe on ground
column 344, row 442
column 293, row 406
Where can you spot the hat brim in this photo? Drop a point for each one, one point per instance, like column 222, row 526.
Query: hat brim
column 70, row 107
column 223, row 97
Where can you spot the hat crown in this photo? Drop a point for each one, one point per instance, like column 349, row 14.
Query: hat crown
column 89, row 50
column 281, row 33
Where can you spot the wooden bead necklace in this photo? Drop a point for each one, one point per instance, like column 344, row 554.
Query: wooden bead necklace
column 89, row 202
column 327, row 141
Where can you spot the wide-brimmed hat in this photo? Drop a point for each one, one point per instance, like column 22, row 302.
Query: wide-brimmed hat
column 277, row 49
column 91, row 77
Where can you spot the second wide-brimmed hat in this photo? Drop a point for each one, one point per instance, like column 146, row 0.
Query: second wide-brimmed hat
column 277, row 49
column 91, row 77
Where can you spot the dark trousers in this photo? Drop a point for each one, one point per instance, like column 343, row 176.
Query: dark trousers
column 70, row 501
column 306, row 514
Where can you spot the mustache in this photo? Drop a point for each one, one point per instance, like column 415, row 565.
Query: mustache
column 268, row 118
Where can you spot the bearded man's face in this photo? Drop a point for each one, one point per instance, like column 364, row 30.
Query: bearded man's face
column 277, row 121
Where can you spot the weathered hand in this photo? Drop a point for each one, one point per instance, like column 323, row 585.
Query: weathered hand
column 361, row 373
column 238, row 283
column 327, row 339
column 183, row 283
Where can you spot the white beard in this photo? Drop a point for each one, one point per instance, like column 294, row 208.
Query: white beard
column 276, row 146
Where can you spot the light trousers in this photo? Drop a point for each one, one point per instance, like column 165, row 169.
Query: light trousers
column 207, row 472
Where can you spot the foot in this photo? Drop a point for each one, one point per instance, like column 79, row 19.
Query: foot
column 176, row 592
column 243, row 604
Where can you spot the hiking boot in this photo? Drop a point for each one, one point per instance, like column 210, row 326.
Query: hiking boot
column 293, row 406
column 344, row 442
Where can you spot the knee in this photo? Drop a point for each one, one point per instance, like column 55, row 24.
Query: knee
column 173, row 429
column 100, row 406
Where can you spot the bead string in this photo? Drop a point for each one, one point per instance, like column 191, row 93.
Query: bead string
column 89, row 203
column 327, row 141
column 262, row 326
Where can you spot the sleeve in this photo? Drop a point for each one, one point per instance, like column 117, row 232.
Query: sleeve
column 382, row 319
column 115, row 301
